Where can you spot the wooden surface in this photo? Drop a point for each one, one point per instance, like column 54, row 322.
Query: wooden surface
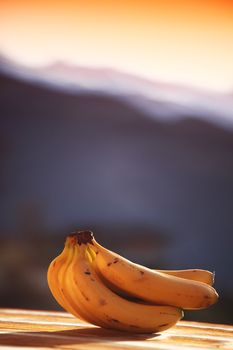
column 40, row 329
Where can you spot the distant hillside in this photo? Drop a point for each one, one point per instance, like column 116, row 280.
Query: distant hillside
column 162, row 100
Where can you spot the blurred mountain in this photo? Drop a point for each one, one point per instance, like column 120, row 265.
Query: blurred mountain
column 158, row 100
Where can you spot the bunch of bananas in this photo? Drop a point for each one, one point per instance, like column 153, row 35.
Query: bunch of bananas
column 107, row 290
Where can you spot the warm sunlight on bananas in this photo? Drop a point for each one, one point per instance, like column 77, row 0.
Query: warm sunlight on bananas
column 107, row 290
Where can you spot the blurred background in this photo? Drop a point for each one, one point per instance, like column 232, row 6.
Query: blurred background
column 116, row 116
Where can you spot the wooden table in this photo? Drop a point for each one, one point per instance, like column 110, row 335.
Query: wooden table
column 41, row 329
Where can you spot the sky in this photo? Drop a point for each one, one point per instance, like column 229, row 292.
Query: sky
column 179, row 41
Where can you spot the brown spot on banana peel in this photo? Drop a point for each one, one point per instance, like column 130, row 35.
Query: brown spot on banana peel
column 114, row 320
column 102, row 302
column 88, row 273
column 110, row 319
column 113, row 262
column 207, row 297
column 208, row 301
column 84, row 295
column 71, row 239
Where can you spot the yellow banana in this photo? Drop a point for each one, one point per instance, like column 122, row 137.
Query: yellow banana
column 105, row 289
column 86, row 290
column 52, row 276
column 73, row 295
column 149, row 285
column 199, row 275
column 55, row 276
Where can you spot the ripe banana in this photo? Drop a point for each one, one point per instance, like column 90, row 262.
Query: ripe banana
column 70, row 292
column 52, row 275
column 56, row 271
column 105, row 289
column 76, row 285
column 148, row 285
column 192, row 274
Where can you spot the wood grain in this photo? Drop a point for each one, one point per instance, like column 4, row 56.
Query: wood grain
column 48, row 330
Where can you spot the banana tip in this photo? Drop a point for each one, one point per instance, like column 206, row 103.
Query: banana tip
column 80, row 237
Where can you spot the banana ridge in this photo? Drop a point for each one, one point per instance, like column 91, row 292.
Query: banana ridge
column 74, row 294
column 52, row 277
column 56, row 274
column 199, row 275
column 149, row 285
column 62, row 273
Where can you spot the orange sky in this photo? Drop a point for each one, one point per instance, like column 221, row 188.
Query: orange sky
column 184, row 41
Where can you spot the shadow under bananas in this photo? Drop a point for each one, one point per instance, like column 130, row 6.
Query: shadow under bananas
column 70, row 337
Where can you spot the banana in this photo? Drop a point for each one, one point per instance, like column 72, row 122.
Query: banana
column 73, row 296
column 55, row 276
column 52, row 275
column 107, row 290
column 152, row 286
column 84, row 289
column 199, row 275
